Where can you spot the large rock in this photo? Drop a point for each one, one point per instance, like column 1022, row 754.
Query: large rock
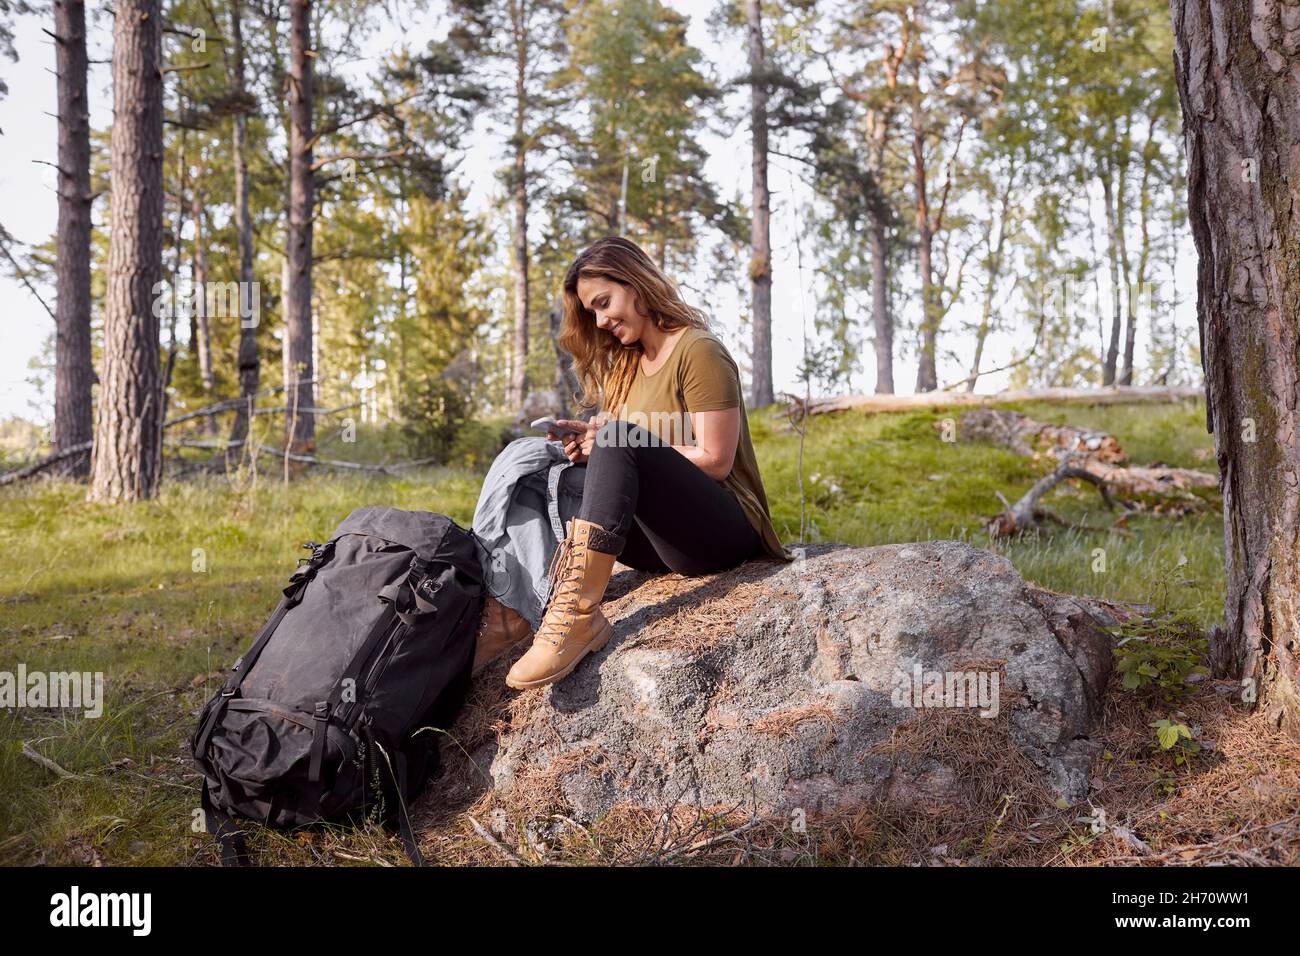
column 779, row 687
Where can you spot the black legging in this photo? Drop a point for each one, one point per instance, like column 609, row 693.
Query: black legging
column 673, row 516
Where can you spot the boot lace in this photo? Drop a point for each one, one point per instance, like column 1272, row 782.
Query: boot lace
column 566, row 588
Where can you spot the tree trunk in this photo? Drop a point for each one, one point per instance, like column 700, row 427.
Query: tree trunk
column 1239, row 84
column 881, row 319
column 927, row 375
column 760, row 267
column 879, row 122
column 1124, row 372
column 1112, row 347
column 994, row 261
column 1137, row 289
column 128, row 435
column 199, row 275
column 300, row 425
column 519, row 374
column 566, row 380
column 74, row 370
column 178, row 302
column 250, row 368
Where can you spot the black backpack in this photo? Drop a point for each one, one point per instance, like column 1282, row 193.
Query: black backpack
column 323, row 715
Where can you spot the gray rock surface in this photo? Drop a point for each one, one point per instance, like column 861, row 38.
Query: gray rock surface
column 775, row 686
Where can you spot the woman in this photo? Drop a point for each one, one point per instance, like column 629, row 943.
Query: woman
column 671, row 481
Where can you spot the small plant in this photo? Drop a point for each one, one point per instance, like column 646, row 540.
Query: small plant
column 1178, row 740
column 1155, row 656
column 1167, row 783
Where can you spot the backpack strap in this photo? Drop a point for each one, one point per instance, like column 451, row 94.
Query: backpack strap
column 324, row 709
column 241, row 668
column 413, row 594
column 298, row 581
column 396, row 783
column 234, row 849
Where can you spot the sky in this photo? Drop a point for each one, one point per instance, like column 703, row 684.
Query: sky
column 29, row 212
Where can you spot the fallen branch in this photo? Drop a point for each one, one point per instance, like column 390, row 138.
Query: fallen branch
column 360, row 859
column 44, row 463
column 286, row 409
column 219, row 443
column 49, row 764
column 494, row 842
column 413, row 464
column 228, row 404
column 1027, row 514
column 1177, row 856
column 707, row 842
column 279, row 453
column 1171, row 483
column 1119, row 395
column 1100, row 452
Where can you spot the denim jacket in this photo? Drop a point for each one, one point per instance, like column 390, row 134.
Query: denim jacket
column 527, row 500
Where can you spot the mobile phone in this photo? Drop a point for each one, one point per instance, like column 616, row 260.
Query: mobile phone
column 548, row 423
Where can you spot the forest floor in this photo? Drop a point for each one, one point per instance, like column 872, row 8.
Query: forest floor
column 162, row 596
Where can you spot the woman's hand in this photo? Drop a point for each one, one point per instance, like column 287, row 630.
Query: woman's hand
column 576, row 447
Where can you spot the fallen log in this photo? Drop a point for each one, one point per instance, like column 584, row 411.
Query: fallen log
column 1117, row 395
column 1028, row 437
column 224, row 406
column 228, row 404
column 223, row 444
column 1157, row 480
column 1099, row 453
column 37, row 467
column 1028, row 514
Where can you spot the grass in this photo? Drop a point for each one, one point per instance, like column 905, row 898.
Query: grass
column 162, row 596
column 877, row 479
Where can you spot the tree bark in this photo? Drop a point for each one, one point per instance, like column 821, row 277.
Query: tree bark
column 519, row 373
column 881, row 320
column 567, row 385
column 1238, row 79
column 927, row 375
column 1124, row 304
column 74, row 370
column 994, row 261
column 127, row 461
column 300, row 372
column 199, row 277
column 1137, row 289
column 178, row 303
column 1112, row 347
column 760, row 266
column 250, row 367
column 879, row 122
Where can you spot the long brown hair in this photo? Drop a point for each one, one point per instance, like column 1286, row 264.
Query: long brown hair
column 604, row 365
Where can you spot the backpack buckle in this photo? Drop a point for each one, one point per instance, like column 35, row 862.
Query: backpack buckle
column 322, row 711
column 317, row 552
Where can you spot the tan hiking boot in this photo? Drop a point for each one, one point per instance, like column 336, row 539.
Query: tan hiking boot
column 573, row 625
column 500, row 628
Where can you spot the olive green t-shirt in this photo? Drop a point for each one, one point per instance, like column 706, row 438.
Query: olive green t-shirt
column 701, row 376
